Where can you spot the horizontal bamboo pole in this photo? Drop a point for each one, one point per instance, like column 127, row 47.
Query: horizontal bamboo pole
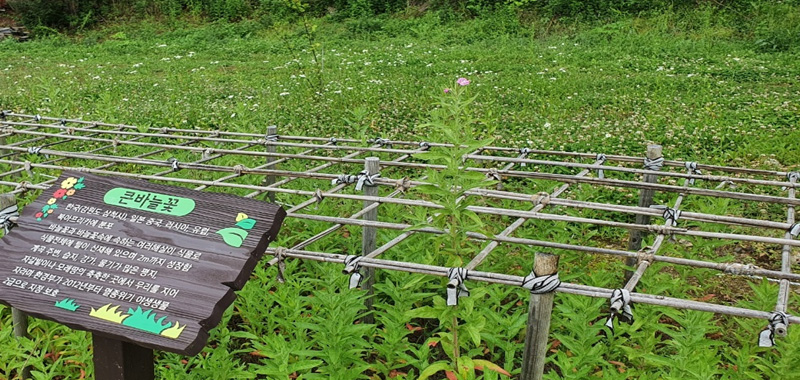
column 392, row 182
column 622, row 169
column 507, row 279
column 478, row 209
column 519, row 160
column 484, row 253
column 610, row 157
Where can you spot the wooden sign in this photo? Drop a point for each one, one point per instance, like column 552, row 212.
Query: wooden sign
column 150, row 264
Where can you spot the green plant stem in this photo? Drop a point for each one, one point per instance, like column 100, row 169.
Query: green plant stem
column 456, row 351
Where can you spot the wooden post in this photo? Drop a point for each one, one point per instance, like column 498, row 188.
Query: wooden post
column 117, row 360
column 272, row 130
column 19, row 320
column 20, row 323
column 539, row 311
column 372, row 165
column 654, row 151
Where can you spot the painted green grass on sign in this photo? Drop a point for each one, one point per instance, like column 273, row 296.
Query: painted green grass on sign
column 146, row 320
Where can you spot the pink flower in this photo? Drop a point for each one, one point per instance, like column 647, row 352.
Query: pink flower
column 446, row 90
column 462, row 81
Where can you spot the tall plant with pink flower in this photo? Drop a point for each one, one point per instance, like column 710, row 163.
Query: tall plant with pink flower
column 453, row 122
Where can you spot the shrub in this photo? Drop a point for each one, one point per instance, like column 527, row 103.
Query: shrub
column 777, row 28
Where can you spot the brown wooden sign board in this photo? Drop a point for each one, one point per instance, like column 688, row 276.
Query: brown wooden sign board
column 150, row 264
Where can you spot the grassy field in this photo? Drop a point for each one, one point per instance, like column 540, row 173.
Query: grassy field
column 698, row 89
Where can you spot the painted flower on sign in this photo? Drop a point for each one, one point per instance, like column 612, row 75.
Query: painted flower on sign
column 68, row 188
column 68, row 183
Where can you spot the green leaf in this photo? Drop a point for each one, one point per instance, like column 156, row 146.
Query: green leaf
column 234, row 237
column 474, row 333
column 490, row 366
column 247, row 223
column 432, row 369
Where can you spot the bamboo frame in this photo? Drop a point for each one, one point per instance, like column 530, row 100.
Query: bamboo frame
column 323, row 154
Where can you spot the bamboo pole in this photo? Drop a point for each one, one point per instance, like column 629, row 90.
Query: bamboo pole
column 786, row 267
column 272, row 132
column 269, row 153
column 645, row 200
column 393, row 182
column 732, row 268
column 478, row 209
column 506, row 279
column 484, row 253
column 614, row 158
column 645, row 261
column 372, row 166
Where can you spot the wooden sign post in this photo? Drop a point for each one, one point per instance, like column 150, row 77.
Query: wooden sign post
column 142, row 266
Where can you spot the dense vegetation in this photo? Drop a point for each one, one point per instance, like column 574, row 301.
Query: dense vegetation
column 709, row 83
column 776, row 23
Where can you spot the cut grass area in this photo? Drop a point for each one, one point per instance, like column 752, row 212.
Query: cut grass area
column 612, row 89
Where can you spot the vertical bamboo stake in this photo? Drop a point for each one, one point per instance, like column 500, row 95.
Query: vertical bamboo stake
column 372, row 165
column 272, row 130
column 18, row 319
column 654, row 151
column 540, row 309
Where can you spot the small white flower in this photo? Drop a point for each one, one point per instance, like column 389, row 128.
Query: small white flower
column 283, row 93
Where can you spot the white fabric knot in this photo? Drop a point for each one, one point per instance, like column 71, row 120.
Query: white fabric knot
column 602, row 160
column 793, row 178
column 670, row 215
column 620, row 306
column 344, row 179
column 794, row 230
column 380, row 141
column 5, row 217
column 280, row 255
column 365, row 179
column 692, row 168
column 174, row 162
column 778, row 321
column 653, row 164
column 455, row 287
column 541, row 284
column 352, row 266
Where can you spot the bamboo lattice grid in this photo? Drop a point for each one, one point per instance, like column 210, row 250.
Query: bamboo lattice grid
column 32, row 148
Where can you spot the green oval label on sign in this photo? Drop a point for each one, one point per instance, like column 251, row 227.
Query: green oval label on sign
column 148, row 201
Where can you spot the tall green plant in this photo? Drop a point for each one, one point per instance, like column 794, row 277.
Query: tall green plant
column 453, row 122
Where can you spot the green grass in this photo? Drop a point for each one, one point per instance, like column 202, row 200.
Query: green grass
column 702, row 91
